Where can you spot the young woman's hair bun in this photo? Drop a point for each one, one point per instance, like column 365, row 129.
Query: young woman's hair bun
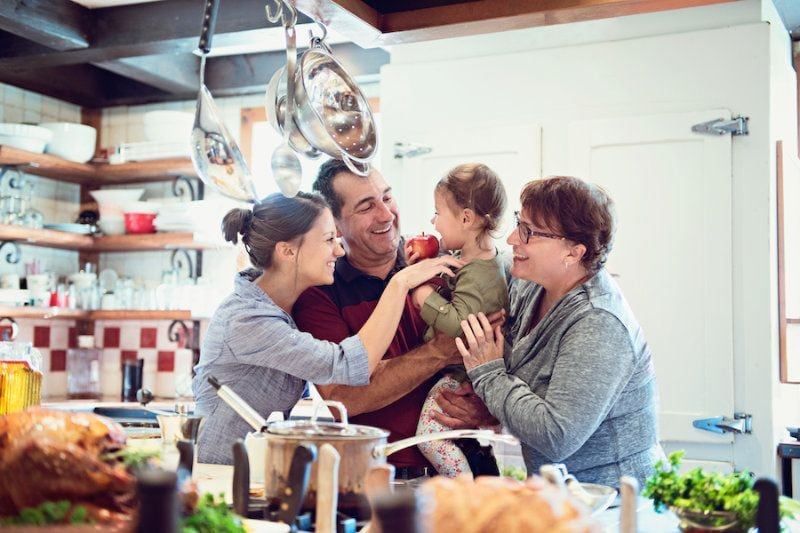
column 236, row 222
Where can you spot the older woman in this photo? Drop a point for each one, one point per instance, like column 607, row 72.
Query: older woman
column 576, row 384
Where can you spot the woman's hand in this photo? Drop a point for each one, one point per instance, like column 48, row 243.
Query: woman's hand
column 418, row 273
column 483, row 343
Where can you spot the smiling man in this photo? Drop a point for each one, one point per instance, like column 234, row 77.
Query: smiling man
column 367, row 220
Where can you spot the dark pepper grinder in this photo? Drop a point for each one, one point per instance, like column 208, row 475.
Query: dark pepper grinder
column 131, row 379
column 159, row 511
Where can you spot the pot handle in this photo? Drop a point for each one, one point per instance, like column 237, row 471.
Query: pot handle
column 484, row 434
column 360, row 169
column 330, row 403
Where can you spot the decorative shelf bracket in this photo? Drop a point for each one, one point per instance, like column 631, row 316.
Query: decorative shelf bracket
column 16, row 179
column 191, row 337
column 182, row 186
column 8, row 334
column 181, row 261
column 14, row 255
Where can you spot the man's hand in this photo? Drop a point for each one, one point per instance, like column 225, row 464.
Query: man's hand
column 463, row 409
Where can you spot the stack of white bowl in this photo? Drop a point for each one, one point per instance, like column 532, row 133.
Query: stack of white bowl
column 111, row 203
column 25, row 137
column 71, row 141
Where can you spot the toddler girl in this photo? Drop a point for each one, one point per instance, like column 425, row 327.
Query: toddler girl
column 469, row 201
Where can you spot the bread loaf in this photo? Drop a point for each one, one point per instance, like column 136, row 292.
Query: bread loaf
column 495, row 504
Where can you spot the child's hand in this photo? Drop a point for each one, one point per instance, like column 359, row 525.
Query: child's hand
column 411, row 256
column 420, row 294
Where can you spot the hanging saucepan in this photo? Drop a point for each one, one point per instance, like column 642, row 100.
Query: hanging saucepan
column 275, row 108
column 360, row 447
column 331, row 111
column 215, row 154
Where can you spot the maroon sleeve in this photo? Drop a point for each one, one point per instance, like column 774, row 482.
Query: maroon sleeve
column 316, row 313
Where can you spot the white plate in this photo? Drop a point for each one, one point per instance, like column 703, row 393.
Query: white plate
column 83, row 229
column 262, row 526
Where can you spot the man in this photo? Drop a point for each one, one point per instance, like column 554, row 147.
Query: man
column 367, row 220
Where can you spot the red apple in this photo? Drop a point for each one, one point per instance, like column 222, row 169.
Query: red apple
column 426, row 246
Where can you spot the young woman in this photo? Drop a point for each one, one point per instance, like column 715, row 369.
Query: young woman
column 253, row 345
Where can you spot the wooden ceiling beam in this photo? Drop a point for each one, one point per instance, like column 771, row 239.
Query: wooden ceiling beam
column 56, row 24
column 369, row 27
column 154, row 28
column 175, row 74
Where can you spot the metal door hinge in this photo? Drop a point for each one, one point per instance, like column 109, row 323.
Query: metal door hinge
column 720, row 126
column 740, row 423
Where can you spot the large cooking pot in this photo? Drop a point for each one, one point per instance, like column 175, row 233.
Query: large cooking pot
column 361, row 448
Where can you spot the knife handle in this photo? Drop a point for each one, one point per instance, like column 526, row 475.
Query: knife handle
column 294, row 492
column 241, row 479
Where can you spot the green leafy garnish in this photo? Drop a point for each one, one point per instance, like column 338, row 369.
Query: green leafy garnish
column 699, row 490
column 60, row 512
column 211, row 516
column 514, row 472
column 131, row 458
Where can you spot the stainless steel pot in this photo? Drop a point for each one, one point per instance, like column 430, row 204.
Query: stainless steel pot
column 360, row 447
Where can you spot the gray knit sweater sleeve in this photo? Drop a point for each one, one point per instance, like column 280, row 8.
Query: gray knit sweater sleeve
column 593, row 364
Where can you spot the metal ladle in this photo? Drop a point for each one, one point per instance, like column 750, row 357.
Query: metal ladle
column 216, row 156
column 285, row 165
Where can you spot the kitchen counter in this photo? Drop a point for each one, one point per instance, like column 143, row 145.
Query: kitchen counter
column 218, row 479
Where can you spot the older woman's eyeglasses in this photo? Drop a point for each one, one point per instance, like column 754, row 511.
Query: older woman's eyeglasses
column 525, row 233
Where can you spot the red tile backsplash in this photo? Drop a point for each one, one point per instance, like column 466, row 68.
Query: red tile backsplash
column 110, row 337
column 73, row 338
column 41, row 336
column 58, row 360
column 129, row 355
column 166, row 361
column 147, row 337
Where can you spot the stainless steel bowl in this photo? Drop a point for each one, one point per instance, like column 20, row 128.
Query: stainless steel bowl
column 331, row 111
column 275, row 107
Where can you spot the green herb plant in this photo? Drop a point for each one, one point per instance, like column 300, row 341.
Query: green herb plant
column 705, row 491
column 514, row 472
column 212, row 515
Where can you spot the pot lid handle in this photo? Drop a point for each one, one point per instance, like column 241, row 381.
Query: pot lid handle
column 319, row 403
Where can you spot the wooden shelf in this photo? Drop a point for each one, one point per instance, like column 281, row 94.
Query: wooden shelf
column 58, row 313
column 96, row 174
column 111, row 243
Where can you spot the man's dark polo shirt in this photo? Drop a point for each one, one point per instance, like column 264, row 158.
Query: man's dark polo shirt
column 335, row 312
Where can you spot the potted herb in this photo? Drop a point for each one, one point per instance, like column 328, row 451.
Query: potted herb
column 707, row 501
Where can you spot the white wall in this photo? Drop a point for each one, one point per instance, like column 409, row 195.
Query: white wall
column 725, row 56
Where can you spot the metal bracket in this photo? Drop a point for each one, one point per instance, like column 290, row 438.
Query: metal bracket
column 720, row 126
column 14, row 255
column 182, row 186
column 740, row 423
column 404, row 149
column 16, row 180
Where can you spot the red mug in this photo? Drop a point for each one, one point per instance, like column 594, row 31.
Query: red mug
column 139, row 222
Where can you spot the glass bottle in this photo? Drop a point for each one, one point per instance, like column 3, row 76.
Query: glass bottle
column 83, row 369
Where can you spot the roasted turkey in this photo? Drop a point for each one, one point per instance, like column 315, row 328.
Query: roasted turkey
column 55, row 455
column 490, row 504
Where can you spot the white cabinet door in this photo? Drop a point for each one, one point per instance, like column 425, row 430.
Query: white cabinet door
column 672, row 257
column 513, row 152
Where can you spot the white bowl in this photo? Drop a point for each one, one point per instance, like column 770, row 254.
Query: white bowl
column 72, row 141
column 168, row 126
column 25, row 137
column 111, row 225
column 111, row 202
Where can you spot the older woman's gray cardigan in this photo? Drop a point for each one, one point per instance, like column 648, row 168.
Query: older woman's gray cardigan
column 579, row 388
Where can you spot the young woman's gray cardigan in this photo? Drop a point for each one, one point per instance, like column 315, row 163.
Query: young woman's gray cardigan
column 579, row 388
